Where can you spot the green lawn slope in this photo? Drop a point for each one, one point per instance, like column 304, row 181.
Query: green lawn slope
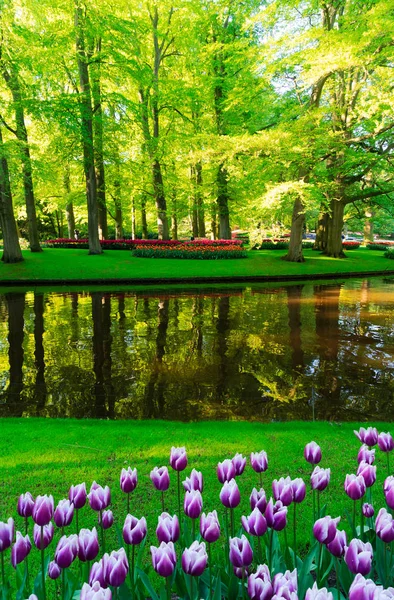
column 63, row 265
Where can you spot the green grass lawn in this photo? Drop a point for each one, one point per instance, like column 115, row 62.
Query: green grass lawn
column 65, row 264
column 47, row 456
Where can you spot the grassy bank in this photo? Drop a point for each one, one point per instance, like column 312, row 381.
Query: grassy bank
column 68, row 264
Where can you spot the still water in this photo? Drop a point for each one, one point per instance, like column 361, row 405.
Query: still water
column 307, row 351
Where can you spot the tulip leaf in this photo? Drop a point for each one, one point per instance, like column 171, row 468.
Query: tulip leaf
column 345, row 576
column 217, row 594
column 327, row 568
column 305, row 579
column 21, row 577
column 146, row 581
column 233, row 588
column 181, row 584
column 38, row 591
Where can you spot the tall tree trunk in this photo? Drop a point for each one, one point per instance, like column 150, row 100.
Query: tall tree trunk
column 214, row 228
column 118, row 210
column 12, row 250
column 297, row 228
column 161, row 205
column 194, row 211
column 85, row 104
column 133, row 219
column 321, row 231
column 335, row 226
column 98, row 145
column 12, row 80
column 222, row 202
column 368, row 225
column 200, row 201
column 69, row 204
column 174, row 218
column 144, row 223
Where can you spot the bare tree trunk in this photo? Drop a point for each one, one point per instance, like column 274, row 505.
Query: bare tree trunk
column 335, row 226
column 368, row 225
column 222, row 202
column 12, row 250
column 200, row 201
column 161, row 205
column 98, row 145
column 69, row 205
column 144, row 223
column 214, row 228
column 297, row 227
column 174, row 218
column 194, row 215
column 85, row 103
column 12, row 80
column 321, row 231
column 133, row 219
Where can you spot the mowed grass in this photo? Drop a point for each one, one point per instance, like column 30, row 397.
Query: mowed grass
column 46, row 456
column 64, row 264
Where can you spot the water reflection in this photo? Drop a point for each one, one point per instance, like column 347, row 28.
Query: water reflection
column 300, row 351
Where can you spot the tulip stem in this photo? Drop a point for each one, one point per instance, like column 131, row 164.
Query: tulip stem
column 132, row 576
column 260, row 550
column 270, row 554
column 388, row 462
column 128, row 504
column 63, row 583
column 362, row 521
column 319, row 565
column 26, row 525
column 337, row 577
column 2, row 569
column 210, row 570
column 191, row 587
column 354, row 519
column 227, row 540
column 168, row 585
column 318, row 504
column 102, row 531
column 232, row 521
column 261, row 479
column 162, row 501
column 76, row 520
column 243, row 582
column 44, row 593
column 314, row 504
column 194, row 529
column 295, row 536
column 179, row 497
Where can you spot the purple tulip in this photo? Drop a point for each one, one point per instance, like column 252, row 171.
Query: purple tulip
column 255, row 523
column 282, row 490
column 239, row 463
column 88, row 545
column 116, row 567
column 337, row 546
column 95, row 592
column 7, row 531
column 128, row 480
column 20, row 549
column 164, row 559
column 258, row 499
column 355, row 486
column 276, row 515
column 314, row 593
column 320, row 478
column 385, row 442
column 298, row 489
column 54, row 570
column 66, row 550
column 107, row 519
column 160, row 478
column 368, row 472
column 285, row 582
column 25, row 505
column 194, row 482
column 358, row 556
column 64, row 513
column 363, row 589
column 97, row 574
column 367, row 436
column 229, row 494
column 366, row 455
column 368, row 510
column 209, row 527
column 32, row 597
column 384, row 526
column 193, row 504
column 99, row 498
column 178, row 458
column 134, row 530
column 241, row 554
column 194, row 559
column 241, row 572
column 389, row 491
column 47, row 535
column 77, row 495
column 43, row 510
column 325, row 529
column 259, row 461
column 259, row 584
column 225, row 470
column 312, row 453
column 168, row 528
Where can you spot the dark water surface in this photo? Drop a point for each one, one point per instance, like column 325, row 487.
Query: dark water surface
column 294, row 352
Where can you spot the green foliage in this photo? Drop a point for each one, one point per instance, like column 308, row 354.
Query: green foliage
column 389, row 253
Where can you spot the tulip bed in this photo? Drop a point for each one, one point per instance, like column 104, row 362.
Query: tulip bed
column 204, row 555
column 191, row 251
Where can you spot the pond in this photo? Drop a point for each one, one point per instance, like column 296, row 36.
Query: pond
column 279, row 352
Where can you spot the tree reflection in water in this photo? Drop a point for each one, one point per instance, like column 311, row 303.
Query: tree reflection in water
column 296, row 351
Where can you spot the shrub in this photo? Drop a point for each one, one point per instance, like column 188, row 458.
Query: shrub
column 379, row 245
column 351, row 245
column 389, row 253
